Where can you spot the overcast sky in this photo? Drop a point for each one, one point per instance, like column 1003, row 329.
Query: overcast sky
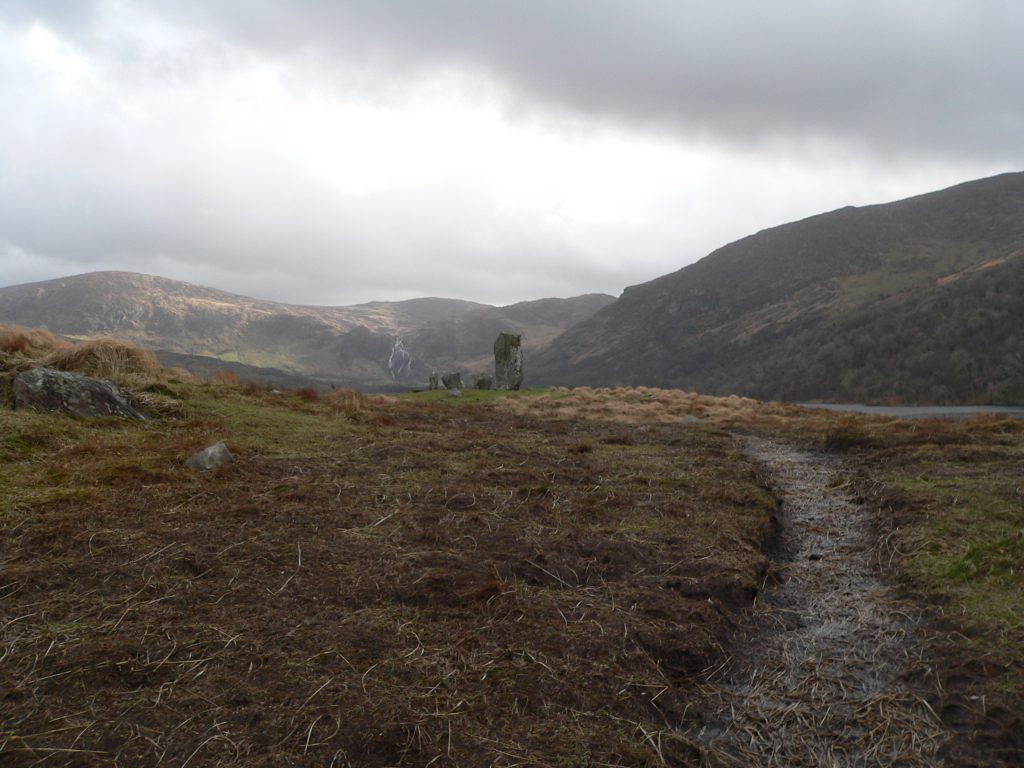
column 332, row 152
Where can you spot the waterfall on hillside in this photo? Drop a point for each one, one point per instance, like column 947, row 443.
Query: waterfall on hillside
column 399, row 361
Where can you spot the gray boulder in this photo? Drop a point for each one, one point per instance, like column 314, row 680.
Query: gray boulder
column 214, row 456
column 455, row 393
column 484, row 382
column 452, row 380
column 47, row 389
column 508, row 361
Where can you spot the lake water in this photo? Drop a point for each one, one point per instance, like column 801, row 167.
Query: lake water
column 924, row 411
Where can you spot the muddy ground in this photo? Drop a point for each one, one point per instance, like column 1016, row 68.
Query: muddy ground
column 830, row 670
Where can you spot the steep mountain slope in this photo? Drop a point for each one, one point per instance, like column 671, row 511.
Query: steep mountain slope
column 918, row 300
column 373, row 344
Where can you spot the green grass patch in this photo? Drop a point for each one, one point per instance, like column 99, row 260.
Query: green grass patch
column 967, row 550
column 471, row 396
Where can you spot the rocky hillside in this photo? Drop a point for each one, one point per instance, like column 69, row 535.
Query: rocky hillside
column 919, row 300
column 369, row 345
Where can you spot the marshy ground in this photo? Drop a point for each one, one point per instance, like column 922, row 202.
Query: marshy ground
column 556, row 578
column 830, row 670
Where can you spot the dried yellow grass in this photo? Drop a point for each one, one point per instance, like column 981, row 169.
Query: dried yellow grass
column 28, row 343
column 179, row 374
column 344, row 402
column 224, row 377
column 104, row 358
column 641, row 405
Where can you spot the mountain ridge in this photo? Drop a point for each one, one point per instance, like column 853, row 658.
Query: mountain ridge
column 775, row 314
column 368, row 345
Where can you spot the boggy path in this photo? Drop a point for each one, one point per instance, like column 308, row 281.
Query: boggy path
column 829, row 672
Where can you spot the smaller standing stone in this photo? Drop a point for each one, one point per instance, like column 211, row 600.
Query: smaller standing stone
column 452, row 380
column 484, row 382
column 433, row 381
column 214, row 456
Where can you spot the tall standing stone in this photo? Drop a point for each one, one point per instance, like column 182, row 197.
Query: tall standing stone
column 508, row 361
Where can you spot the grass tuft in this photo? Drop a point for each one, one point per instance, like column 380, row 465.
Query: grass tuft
column 118, row 361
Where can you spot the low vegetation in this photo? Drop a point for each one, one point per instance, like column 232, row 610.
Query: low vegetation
column 118, row 361
column 376, row 581
column 950, row 516
column 539, row 578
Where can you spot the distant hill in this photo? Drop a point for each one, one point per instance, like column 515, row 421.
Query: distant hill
column 920, row 300
column 369, row 345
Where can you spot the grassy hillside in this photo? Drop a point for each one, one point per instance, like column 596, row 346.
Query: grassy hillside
column 913, row 301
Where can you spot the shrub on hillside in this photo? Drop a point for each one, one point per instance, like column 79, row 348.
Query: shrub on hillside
column 345, row 402
column 225, row 376
column 847, row 434
column 308, row 394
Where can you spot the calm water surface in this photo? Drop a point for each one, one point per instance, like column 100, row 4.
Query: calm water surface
column 924, row 411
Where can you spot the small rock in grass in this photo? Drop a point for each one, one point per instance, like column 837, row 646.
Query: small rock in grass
column 212, row 457
column 455, row 393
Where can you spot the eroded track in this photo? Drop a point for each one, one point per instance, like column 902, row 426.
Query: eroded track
column 830, row 672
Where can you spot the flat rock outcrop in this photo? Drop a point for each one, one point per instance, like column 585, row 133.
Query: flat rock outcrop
column 47, row 389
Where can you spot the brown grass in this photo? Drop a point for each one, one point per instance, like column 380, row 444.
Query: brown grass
column 178, row 374
column 119, row 361
column 28, row 343
column 643, row 405
column 308, row 394
column 112, row 359
column 948, row 496
column 429, row 584
column 224, row 377
column 345, row 402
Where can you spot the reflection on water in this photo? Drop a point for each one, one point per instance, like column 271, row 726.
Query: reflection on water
column 924, row 411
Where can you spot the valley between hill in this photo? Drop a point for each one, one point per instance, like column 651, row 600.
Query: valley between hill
column 917, row 301
column 378, row 345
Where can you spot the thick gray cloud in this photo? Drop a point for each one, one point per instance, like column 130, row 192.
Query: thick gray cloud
column 916, row 76
column 343, row 151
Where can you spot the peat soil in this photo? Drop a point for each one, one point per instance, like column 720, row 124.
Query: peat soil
column 831, row 669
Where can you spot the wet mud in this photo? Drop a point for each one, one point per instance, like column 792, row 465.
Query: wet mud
column 829, row 671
